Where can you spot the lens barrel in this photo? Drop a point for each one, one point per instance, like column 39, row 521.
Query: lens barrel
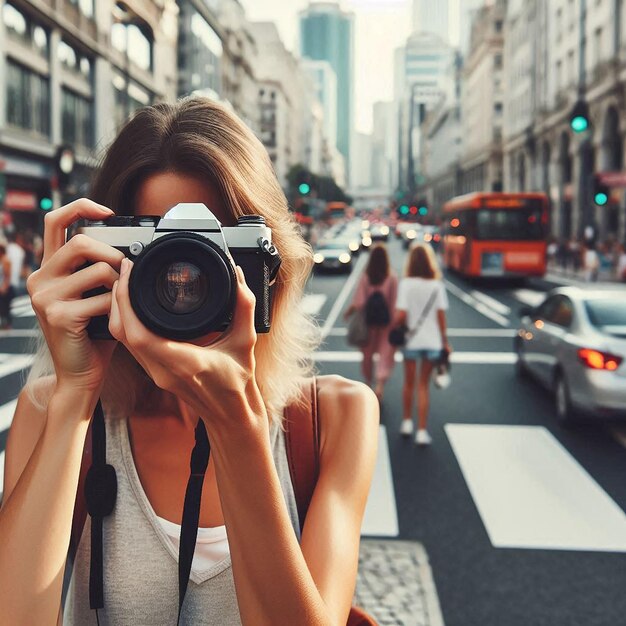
column 183, row 286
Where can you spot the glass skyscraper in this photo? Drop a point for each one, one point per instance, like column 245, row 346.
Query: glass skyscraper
column 327, row 34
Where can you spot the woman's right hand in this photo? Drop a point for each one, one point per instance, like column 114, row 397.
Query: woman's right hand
column 56, row 294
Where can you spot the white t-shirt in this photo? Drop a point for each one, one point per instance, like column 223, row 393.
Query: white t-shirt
column 16, row 255
column 413, row 296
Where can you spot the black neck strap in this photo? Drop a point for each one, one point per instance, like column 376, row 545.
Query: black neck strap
column 191, row 510
column 101, row 494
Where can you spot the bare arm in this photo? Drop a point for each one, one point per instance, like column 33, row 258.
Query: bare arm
column 6, row 269
column 441, row 320
column 36, row 516
column 277, row 580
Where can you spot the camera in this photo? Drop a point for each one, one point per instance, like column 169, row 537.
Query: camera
column 183, row 285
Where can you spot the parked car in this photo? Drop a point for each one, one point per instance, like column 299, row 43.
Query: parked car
column 574, row 343
column 333, row 255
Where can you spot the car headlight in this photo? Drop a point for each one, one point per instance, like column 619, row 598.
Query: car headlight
column 344, row 258
column 318, row 258
column 367, row 241
column 354, row 246
column 428, row 237
column 366, row 233
column 365, row 224
column 384, row 230
column 411, row 234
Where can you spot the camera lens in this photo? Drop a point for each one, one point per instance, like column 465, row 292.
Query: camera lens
column 182, row 288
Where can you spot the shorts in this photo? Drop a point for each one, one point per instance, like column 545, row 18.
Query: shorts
column 427, row 355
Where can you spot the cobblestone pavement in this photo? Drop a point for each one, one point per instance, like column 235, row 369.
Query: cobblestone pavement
column 395, row 584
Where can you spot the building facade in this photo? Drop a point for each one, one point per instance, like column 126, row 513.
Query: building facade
column 432, row 17
column 327, row 34
column 325, row 82
column 70, row 79
column 482, row 103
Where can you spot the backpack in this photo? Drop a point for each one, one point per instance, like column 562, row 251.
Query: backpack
column 302, row 442
column 376, row 310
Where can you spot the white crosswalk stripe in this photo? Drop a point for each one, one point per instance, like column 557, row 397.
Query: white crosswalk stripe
column 529, row 296
column 12, row 363
column 312, row 303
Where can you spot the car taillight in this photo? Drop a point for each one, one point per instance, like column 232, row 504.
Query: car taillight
column 597, row 360
column 437, row 238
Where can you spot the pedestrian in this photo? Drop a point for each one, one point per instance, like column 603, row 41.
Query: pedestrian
column 6, row 289
column 16, row 254
column 591, row 263
column 620, row 269
column 421, row 305
column 376, row 295
column 251, row 563
column 574, row 254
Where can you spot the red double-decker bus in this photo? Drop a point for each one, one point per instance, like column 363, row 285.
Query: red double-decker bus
column 496, row 234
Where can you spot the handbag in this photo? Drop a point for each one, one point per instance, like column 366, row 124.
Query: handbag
column 358, row 332
column 441, row 375
column 399, row 335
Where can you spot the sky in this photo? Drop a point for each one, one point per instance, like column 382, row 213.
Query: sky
column 380, row 27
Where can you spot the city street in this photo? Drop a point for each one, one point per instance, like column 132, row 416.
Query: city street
column 522, row 521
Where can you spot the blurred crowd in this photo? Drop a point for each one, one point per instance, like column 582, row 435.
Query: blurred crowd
column 20, row 255
column 588, row 259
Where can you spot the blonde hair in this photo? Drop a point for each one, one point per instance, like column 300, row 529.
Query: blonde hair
column 421, row 262
column 202, row 138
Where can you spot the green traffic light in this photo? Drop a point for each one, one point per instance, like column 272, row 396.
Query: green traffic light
column 404, row 209
column 45, row 204
column 579, row 124
column 601, row 198
column 304, row 188
column 423, row 210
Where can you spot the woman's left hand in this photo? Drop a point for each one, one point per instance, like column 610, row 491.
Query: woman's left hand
column 217, row 381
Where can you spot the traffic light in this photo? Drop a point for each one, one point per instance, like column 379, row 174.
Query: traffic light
column 404, row 209
column 304, row 189
column 579, row 117
column 423, row 210
column 601, row 192
column 44, row 197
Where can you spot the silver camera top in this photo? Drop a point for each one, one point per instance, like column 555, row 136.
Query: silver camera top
column 135, row 233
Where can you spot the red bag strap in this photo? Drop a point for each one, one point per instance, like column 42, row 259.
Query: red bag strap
column 302, row 436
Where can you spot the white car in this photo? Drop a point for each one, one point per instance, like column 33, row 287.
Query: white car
column 333, row 255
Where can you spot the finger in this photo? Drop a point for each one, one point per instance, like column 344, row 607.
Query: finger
column 75, row 313
column 135, row 332
column 79, row 250
column 100, row 274
column 242, row 332
column 56, row 222
column 116, row 328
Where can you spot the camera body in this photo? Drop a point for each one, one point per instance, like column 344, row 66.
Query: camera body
column 183, row 285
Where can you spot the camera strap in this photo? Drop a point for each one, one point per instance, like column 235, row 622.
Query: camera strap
column 101, row 493
column 191, row 510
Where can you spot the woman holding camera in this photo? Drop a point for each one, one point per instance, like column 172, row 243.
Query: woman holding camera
column 421, row 307
column 251, row 566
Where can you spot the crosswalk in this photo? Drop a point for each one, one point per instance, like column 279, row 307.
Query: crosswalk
column 21, row 307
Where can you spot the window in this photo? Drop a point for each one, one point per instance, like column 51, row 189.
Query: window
column 28, row 99
column 561, row 313
column 20, row 26
column 77, row 120
column 597, row 46
column 128, row 97
column 73, row 61
column 509, row 225
column 85, row 7
column 498, row 26
column 135, row 40
column 497, row 60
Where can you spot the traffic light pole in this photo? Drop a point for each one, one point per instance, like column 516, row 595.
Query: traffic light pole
column 585, row 147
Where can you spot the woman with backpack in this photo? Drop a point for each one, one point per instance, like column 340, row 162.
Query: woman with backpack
column 375, row 297
column 244, row 543
column 421, row 307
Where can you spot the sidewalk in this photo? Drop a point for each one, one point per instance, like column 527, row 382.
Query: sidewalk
column 570, row 277
column 395, row 584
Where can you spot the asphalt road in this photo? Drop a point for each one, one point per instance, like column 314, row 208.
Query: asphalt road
column 479, row 584
column 485, row 570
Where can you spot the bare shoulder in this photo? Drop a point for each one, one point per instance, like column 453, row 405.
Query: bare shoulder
column 348, row 411
column 26, row 428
